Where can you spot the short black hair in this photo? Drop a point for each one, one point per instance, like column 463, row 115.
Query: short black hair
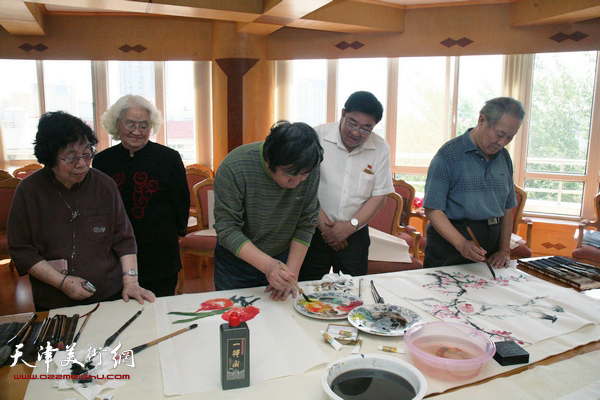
column 57, row 130
column 366, row 103
column 293, row 145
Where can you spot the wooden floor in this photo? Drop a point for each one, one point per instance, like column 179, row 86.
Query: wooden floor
column 15, row 291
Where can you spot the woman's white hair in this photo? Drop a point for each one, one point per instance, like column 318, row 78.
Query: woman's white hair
column 111, row 118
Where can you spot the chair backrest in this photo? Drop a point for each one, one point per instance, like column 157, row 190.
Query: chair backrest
column 7, row 192
column 200, row 192
column 209, row 172
column 26, row 170
column 407, row 192
column 596, row 222
column 387, row 218
column 194, row 176
column 518, row 210
column 5, row 175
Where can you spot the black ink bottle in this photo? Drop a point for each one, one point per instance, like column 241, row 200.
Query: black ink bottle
column 235, row 353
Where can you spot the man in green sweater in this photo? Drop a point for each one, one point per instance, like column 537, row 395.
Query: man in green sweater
column 266, row 210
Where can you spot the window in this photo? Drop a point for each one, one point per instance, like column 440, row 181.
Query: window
column 180, row 109
column 559, row 133
column 19, row 109
column 68, row 87
column 479, row 80
column 425, row 94
column 309, row 81
column 368, row 74
column 131, row 77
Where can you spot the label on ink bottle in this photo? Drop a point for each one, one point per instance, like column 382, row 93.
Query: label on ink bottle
column 236, row 359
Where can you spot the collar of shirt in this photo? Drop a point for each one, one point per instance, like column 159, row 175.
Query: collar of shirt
column 469, row 146
column 334, row 136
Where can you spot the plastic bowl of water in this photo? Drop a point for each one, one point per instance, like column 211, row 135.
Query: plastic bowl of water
column 371, row 376
column 449, row 351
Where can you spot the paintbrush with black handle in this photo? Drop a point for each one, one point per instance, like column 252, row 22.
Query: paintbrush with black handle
column 477, row 244
column 111, row 339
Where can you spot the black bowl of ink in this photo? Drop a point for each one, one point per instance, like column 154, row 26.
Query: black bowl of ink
column 372, row 376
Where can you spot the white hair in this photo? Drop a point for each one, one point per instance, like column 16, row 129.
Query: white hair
column 111, row 118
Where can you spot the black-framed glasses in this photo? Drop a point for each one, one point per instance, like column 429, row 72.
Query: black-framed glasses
column 132, row 126
column 354, row 127
column 73, row 160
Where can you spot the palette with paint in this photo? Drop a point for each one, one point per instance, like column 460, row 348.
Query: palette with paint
column 327, row 305
column 383, row 319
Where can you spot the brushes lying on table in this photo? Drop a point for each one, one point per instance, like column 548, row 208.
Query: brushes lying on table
column 141, row 347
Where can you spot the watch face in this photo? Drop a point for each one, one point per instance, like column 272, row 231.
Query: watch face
column 354, row 222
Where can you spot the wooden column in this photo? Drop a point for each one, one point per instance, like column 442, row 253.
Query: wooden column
column 243, row 89
column 235, row 69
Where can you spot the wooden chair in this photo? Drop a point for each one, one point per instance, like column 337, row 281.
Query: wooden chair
column 195, row 174
column 26, row 170
column 7, row 193
column 209, row 172
column 201, row 247
column 523, row 250
column 387, row 220
column 415, row 239
column 585, row 252
column 5, row 175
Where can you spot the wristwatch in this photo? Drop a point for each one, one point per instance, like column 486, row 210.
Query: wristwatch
column 131, row 272
column 354, row 223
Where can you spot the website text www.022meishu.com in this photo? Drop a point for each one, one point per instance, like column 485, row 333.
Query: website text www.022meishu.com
column 66, row 376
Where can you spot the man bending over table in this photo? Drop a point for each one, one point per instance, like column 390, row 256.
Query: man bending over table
column 266, row 210
column 470, row 184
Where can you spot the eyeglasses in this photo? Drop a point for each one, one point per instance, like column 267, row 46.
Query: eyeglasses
column 74, row 160
column 353, row 127
column 132, row 126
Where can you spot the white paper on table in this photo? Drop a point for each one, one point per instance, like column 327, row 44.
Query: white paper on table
column 386, row 247
column 518, row 305
column 190, row 362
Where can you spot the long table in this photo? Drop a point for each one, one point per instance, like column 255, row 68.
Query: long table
column 573, row 353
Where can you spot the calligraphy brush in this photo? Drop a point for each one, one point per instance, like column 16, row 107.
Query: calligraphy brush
column 477, row 244
column 141, row 347
column 8, row 347
column 296, row 284
column 111, row 339
column 87, row 316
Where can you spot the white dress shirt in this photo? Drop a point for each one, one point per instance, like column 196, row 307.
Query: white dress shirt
column 349, row 179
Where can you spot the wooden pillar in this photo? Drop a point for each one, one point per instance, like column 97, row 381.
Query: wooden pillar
column 243, row 89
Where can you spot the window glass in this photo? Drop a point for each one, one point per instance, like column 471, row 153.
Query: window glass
column 548, row 196
column 309, row 91
column 561, row 110
column 369, row 74
column 68, row 87
column 131, row 77
column 19, row 108
column 479, row 80
column 559, row 130
column 415, row 180
column 424, row 108
column 180, row 109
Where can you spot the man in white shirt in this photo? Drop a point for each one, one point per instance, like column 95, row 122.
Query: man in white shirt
column 355, row 179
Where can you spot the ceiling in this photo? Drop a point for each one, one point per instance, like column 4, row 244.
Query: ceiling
column 264, row 17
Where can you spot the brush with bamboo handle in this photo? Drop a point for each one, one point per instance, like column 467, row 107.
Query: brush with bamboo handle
column 477, row 244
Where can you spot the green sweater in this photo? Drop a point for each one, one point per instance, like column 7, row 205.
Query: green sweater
column 251, row 206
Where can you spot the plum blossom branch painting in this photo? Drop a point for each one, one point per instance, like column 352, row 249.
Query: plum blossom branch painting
column 514, row 306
